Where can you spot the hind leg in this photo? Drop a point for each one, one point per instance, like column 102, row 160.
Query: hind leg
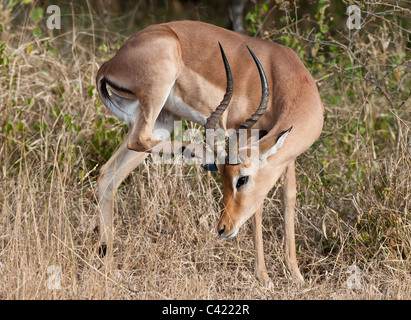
column 289, row 193
column 141, row 136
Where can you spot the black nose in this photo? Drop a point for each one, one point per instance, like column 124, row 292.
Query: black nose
column 221, row 231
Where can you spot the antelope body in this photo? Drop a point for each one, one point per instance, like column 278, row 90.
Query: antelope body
column 173, row 70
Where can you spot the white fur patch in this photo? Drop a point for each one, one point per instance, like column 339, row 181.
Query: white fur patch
column 177, row 106
column 124, row 109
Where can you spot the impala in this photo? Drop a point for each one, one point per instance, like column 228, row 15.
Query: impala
column 171, row 71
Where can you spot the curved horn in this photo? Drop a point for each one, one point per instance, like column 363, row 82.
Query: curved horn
column 264, row 96
column 218, row 112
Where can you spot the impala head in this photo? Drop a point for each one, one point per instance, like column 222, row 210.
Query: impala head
column 247, row 182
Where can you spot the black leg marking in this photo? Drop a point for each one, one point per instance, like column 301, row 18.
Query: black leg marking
column 210, row 167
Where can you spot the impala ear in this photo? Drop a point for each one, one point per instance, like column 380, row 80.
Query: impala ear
column 270, row 145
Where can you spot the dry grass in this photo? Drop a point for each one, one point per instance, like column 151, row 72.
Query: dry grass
column 353, row 201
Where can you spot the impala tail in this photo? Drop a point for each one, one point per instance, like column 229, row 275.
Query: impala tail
column 103, row 93
column 105, row 96
column 124, row 109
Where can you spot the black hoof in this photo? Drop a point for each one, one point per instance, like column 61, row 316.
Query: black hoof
column 102, row 250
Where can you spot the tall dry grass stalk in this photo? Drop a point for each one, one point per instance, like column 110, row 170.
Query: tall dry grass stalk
column 353, row 195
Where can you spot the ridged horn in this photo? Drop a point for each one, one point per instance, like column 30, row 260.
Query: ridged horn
column 218, row 112
column 264, row 97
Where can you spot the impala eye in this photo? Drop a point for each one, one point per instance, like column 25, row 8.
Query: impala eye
column 241, row 181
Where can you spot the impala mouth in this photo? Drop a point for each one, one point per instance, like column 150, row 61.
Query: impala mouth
column 231, row 235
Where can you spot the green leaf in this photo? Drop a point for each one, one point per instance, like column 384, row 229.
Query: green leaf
column 30, row 48
column 57, row 111
column 90, row 91
column 112, row 120
column 103, row 48
column 324, row 28
column 30, row 102
column 37, row 32
column 9, row 127
column 335, row 99
column 40, row 126
column 20, row 127
column 11, row 4
column 286, row 40
column 67, row 121
column 36, row 14
column 2, row 47
column 4, row 61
